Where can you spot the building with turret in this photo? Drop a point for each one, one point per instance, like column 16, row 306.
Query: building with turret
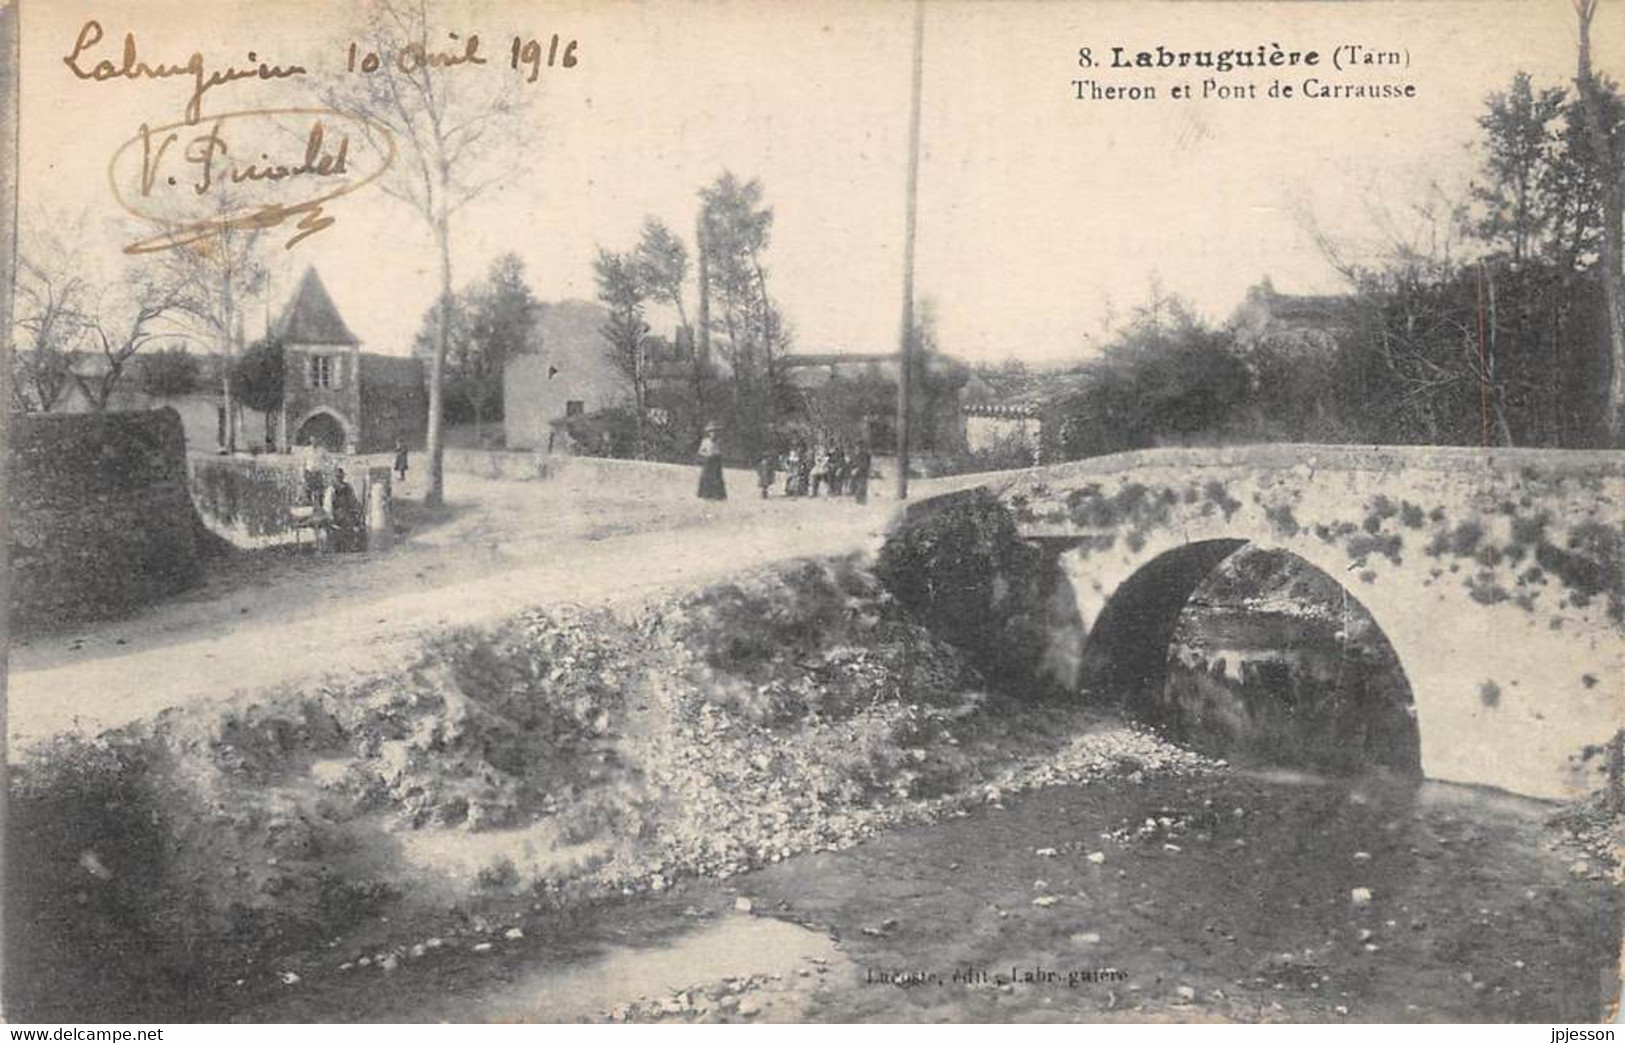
column 334, row 394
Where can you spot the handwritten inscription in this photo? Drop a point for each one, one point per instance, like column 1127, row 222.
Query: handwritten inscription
column 259, row 168
column 415, row 57
column 131, row 66
column 180, row 175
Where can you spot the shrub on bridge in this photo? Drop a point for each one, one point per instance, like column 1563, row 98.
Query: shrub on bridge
column 959, row 565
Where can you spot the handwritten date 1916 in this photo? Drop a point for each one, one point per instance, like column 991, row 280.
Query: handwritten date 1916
column 529, row 54
column 524, row 55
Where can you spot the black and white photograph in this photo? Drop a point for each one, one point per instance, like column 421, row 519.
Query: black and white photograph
column 709, row 512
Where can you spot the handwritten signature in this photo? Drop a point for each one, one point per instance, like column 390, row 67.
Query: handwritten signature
column 163, row 174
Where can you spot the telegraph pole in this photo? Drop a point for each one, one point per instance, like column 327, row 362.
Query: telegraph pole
column 702, row 342
column 905, row 355
column 10, row 87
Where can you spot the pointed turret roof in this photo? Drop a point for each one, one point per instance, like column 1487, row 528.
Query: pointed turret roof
column 312, row 318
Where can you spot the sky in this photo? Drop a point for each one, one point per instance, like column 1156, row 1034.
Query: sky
column 1041, row 217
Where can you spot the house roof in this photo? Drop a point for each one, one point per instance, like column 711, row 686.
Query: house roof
column 311, row 317
column 391, row 370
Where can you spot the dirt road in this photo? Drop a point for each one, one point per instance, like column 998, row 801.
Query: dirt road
column 496, row 549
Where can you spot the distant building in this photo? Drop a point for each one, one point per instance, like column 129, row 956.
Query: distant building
column 989, row 427
column 1000, row 413
column 1315, row 322
column 333, row 394
column 202, row 410
column 570, row 373
column 870, row 380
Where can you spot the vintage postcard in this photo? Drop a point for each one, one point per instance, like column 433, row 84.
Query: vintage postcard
column 850, row 511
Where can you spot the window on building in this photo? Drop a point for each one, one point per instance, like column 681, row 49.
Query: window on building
column 574, row 407
column 322, row 371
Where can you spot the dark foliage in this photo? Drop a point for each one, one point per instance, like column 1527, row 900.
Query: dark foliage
column 256, row 377
column 957, row 563
column 170, row 373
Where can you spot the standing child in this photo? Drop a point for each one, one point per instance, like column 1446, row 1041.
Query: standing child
column 766, row 468
column 792, row 471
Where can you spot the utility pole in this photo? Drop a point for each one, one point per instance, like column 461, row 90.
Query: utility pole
column 10, row 85
column 905, row 356
column 702, row 348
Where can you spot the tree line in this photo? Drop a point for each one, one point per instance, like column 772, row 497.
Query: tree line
column 728, row 366
column 1497, row 319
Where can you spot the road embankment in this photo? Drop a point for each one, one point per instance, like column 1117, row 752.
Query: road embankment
column 509, row 773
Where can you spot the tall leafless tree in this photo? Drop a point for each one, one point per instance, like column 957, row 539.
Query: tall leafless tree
column 460, row 131
column 48, row 306
column 209, row 281
column 78, row 325
column 129, row 316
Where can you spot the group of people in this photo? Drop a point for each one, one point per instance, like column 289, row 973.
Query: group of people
column 834, row 468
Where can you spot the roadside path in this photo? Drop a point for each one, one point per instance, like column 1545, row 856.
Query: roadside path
column 509, row 546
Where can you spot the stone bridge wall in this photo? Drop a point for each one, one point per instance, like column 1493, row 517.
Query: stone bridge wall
column 1497, row 576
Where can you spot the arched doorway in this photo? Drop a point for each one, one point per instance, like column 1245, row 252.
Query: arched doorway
column 1256, row 655
column 322, row 429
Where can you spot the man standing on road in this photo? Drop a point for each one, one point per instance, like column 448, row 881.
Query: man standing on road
column 859, row 473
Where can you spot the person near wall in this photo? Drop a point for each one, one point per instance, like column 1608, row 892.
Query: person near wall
column 820, row 469
column 858, row 473
column 804, row 471
column 312, row 463
column 711, row 483
column 766, row 469
column 838, row 466
column 400, row 460
column 792, row 470
column 349, row 524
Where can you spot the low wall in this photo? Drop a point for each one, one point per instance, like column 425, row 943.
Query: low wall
column 248, row 500
column 520, row 466
column 101, row 521
column 501, row 466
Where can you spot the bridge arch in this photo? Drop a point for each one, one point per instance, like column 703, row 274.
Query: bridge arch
column 1494, row 575
column 1313, row 699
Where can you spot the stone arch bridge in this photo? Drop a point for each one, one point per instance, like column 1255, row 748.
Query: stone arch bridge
column 1496, row 577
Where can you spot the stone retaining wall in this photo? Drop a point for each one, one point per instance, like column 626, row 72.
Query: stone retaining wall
column 101, row 520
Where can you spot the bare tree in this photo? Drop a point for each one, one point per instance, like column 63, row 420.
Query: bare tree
column 459, row 131
column 1597, row 99
column 207, row 281
column 129, row 317
column 49, row 301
